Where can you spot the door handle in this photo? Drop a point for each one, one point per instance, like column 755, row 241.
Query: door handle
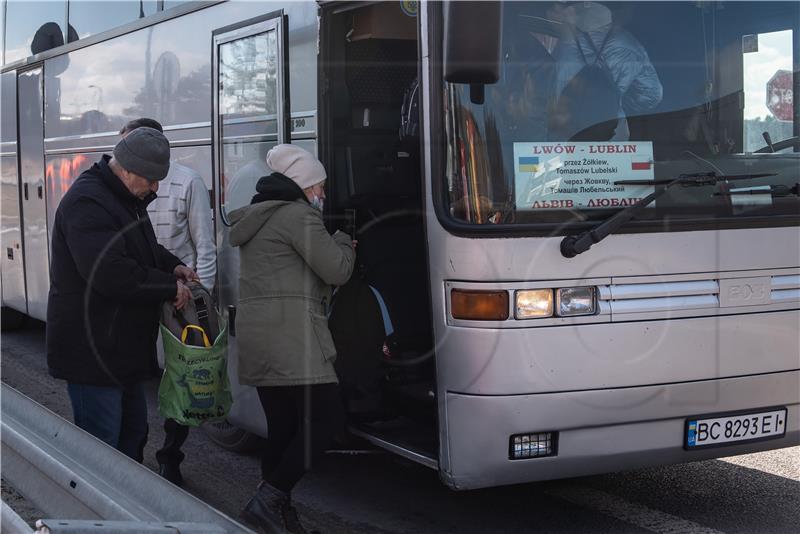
column 25, row 190
column 40, row 191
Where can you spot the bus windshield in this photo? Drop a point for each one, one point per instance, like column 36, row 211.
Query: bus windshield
column 591, row 94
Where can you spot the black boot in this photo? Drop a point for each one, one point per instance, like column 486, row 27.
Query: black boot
column 265, row 510
column 172, row 472
column 292, row 521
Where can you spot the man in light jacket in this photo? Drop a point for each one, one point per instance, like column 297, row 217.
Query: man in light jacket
column 181, row 217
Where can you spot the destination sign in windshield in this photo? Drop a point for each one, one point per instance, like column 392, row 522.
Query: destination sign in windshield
column 581, row 175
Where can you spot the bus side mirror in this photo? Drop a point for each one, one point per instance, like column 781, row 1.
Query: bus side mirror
column 472, row 37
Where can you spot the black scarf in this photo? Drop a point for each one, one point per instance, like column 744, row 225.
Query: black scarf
column 276, row 186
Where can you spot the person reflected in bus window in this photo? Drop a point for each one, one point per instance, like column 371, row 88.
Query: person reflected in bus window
column 603, row 74
column 527, row 85
column 241, row 185
column 108, row 279
column 289, row 263
column 181, row 218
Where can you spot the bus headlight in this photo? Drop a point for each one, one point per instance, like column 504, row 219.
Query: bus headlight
column 572, row 301
column 533, row 303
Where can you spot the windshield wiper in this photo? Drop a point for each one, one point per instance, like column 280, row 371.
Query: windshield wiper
column 777, row 190
column 572, row 245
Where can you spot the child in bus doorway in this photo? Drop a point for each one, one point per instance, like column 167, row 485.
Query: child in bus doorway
column 289, row 263
column 181, row 218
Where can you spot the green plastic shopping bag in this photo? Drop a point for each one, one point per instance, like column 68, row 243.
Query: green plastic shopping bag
column 194, row 388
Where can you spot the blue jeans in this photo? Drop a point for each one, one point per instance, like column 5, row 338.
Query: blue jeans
column 115, row 415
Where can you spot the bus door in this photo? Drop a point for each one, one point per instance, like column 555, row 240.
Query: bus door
column 30, row 94
column 13, row 272
column 250, row 103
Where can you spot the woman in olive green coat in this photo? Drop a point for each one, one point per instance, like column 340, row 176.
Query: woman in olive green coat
column 289, row 263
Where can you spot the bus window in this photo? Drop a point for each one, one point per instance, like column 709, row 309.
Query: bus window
column 592, row 94
column 168, row 4
column 37, row 26
column 89, row 18
column 248, row 111
column 767, row 88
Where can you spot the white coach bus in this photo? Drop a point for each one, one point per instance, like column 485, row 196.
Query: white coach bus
column 582, row 217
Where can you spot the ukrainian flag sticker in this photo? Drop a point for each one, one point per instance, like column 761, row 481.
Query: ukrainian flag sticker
column 528, row 164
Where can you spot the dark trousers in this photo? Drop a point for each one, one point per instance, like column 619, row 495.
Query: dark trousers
column 174, row 438
column 301, row 422
column 115, row 415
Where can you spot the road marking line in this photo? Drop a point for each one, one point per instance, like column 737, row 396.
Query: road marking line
column 635, row 514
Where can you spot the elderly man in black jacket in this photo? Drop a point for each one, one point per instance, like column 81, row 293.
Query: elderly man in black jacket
column 108, row 277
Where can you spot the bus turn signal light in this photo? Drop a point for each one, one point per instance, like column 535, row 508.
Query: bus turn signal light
column 479, row 305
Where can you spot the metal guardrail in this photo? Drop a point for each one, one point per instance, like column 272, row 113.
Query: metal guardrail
column 11, row 523
column 67, row 473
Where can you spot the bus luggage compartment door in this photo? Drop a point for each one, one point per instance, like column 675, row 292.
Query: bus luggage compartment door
column 13, row 271
column 30, row 86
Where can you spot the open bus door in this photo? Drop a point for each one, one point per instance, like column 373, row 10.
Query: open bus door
column 370, row 144
column 250, row 115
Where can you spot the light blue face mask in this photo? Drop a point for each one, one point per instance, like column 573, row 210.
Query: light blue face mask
column 317, row 202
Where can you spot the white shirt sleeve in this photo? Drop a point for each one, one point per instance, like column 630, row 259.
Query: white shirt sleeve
column 201, row 231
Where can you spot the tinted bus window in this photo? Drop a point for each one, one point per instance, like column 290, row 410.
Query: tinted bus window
column 33, row 27
column 166, row 76
column 89, row 18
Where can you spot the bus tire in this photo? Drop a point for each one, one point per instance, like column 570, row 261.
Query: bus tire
column 12, row 319
column 231, row 437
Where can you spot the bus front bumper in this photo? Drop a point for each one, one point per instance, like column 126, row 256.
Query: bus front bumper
column 602, row 431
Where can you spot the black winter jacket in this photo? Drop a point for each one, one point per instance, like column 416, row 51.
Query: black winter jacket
column 108, row 276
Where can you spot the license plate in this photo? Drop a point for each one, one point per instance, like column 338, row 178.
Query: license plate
column 719, row 430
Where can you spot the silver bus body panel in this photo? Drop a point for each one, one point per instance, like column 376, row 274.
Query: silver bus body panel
column 13, row 266
column 540, row 360
column 623, row 255
column 32, row 173
column 603, row 430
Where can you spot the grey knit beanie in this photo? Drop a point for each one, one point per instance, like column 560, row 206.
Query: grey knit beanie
column 298, row 164
column 145, row 152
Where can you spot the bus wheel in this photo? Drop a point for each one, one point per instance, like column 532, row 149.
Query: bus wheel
column 12, row 319
column 231, row 437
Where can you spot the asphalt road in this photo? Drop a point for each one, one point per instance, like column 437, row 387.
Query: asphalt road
column 381, row 494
